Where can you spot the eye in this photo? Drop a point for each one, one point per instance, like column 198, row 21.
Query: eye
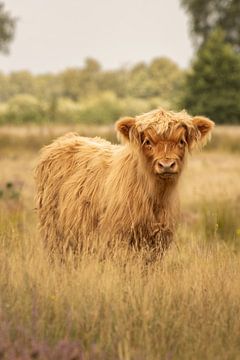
column 147, row 142
column 182, row 143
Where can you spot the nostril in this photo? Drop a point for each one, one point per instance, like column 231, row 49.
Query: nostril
column 166, row 165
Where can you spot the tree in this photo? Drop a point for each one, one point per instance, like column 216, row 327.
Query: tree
column 92, row 65
column 139, row 81
column 161, row 78
column 7, row 28
column 213, row 85
column 21, row 82
column 166, row 77
column 207, row 15
column 71, row 83
column 115, row 81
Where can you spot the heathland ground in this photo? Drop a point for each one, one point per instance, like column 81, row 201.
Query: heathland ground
column 186, row 306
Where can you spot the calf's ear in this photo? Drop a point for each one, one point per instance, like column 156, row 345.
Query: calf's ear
column 201, row 131
column 203, row 125
column 126, row 129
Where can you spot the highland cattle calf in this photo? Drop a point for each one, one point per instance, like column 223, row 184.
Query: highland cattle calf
column 90, row 187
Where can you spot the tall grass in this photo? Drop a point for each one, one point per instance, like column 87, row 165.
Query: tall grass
column 184, row 306
column 226, row 138
column 219, row 220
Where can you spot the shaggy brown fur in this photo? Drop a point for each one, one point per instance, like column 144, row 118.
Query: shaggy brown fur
column 89, row 187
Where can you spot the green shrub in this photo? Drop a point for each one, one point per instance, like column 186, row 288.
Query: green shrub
column 68, row 110
column 102, row 109
column 23, row 109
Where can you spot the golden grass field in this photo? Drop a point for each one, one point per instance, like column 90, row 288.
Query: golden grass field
column 186, row 306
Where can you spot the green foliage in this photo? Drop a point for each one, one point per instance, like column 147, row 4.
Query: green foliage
column 166, row 78
column 207, row 15
column 67, row 109
column 88, row 94
column 213, row 85
column 22, row 109
column 161, row 78
column 7, row 28
column 104, row 108
column 21, row 82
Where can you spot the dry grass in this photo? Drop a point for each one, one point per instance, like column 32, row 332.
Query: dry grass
column 32, row 136
column 184, row 307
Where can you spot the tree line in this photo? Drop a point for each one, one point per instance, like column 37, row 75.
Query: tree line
column 89, row 93
column 211, row 85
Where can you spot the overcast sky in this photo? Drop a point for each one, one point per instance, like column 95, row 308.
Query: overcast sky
column 55, row 34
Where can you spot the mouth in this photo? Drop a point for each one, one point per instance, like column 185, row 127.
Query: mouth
column 167, row 175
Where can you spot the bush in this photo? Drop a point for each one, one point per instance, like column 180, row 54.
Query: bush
column 68, row 110
column 22, row 109
column 102, row 109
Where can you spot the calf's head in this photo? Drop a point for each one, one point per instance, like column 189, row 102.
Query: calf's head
column 162, row 138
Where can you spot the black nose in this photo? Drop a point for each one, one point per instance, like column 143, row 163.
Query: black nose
column 167, row 165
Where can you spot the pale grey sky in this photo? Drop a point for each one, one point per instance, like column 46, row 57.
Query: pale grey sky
column 55, row 34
